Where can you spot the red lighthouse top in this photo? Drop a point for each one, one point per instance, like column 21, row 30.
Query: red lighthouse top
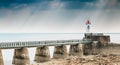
column 88, row 22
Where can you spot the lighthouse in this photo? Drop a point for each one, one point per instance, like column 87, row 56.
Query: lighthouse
column 88, row 23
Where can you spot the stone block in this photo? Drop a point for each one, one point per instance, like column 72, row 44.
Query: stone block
column 1, row 58
column 76, row 50
column 21, row 57
column 42, row 54
column 60, row 52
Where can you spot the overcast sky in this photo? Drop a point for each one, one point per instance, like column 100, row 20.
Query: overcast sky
column 59, row 16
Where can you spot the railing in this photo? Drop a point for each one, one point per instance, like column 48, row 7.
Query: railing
column 6, row 45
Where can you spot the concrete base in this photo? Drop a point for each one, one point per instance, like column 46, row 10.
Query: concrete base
column 100, row 37
column 60, row 52
column 21, row 57
column 95, row 49
column 104, row 40
column 87, row 49
column 42, row 54
column 76, row 50
column 1, row 58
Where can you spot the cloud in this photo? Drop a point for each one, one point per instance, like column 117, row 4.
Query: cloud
column 59, row 16
column 56, row 4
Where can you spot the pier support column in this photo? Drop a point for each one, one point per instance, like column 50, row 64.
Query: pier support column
column 1, row 58
column 87, row 49
column 60, row 52
column 76, row 50
column 42, row 54
column 95, row 48
column 21, row 57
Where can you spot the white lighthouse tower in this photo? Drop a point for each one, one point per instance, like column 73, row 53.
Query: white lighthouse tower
column 88, row 23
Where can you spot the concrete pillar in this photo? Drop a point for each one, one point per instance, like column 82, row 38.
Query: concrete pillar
column 87, row 49
column 21, row 57
column 76, row 50
column 42, row 54
column 95, row 48
column 60, row 52
column 1, row 58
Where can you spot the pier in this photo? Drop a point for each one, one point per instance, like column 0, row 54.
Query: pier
column 88, row 45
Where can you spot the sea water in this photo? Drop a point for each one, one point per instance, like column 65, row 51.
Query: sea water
column 11, row 37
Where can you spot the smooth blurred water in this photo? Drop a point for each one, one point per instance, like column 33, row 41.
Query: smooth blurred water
column 8, row 53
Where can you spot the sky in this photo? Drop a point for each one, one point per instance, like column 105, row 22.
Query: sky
column 59, row 16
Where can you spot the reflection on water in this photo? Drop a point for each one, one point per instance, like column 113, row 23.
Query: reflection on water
column 8, row 53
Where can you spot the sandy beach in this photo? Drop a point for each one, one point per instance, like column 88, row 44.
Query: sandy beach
column 109, row 55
